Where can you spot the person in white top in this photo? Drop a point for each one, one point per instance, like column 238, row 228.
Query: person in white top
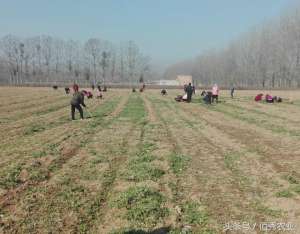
column 215, row 93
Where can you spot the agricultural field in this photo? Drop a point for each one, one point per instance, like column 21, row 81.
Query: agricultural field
column 144, row 163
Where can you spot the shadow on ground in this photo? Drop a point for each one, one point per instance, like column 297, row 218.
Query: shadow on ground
column 163, row 230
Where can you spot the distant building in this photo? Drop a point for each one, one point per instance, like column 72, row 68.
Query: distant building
column 184, row 80
column 167, row 82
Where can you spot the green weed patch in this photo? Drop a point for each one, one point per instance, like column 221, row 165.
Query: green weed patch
column 284, row 193
column 9, row 177
column 193, row 213
column 34, row 129
column 134, row 110
column 143, row 171
column 144, row 206
column 178, row 163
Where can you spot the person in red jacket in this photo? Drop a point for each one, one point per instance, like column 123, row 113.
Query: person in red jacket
column 258, row 97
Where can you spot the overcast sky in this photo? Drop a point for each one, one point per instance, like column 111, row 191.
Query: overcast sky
column 167, row 30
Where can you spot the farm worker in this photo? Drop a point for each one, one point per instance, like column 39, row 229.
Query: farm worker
column 189, row 92
column 194, row 89
column 185, row 88
column 258, row 97
column 163, row 92
column 99, row 94
column 215, row 93
column 76, row 102
column 207, row 97
column 75, row 87
column 67, row 90
column 231, row 92
column 269, row 98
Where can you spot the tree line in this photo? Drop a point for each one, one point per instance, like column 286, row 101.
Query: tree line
column 267, row 56
column 45, row 59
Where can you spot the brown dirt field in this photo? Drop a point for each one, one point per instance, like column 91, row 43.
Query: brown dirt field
column 147, row 164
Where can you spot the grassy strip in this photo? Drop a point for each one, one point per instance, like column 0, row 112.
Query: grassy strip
column 259, row 112
column 88, row 131
column 237, row 113
column 143, row 171
column 192, row 216
column 144, row 206
column 135, row 110
column 44, row 111
column 231, row 162
column 37, row 172
column 67, row 194
column 139, row 167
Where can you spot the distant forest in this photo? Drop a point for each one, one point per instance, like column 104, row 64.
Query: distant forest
column 265, row 57
column 45, row 59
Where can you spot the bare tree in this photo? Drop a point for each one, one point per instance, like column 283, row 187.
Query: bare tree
column 49, row 59
column 267, row 56
column 93, row 50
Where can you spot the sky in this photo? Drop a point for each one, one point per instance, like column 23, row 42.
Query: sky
column 167, row 30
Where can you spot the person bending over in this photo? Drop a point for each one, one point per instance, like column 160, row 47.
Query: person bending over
column 163, row 92
column 76, row 102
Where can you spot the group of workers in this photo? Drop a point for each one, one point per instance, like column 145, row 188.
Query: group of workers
column 189, row 90
column 268, row 98
column 142, row 88
column 208, row 96
column 212, row 96
column 77, row 99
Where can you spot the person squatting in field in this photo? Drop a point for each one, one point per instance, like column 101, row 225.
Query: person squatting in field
column 187, row 97
column 258, row 97
column 88, row 94
column 268, row 98
column 273, row 99
column 207, row 96
column 163, row 92
column 67, row 90
column 76, row 102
